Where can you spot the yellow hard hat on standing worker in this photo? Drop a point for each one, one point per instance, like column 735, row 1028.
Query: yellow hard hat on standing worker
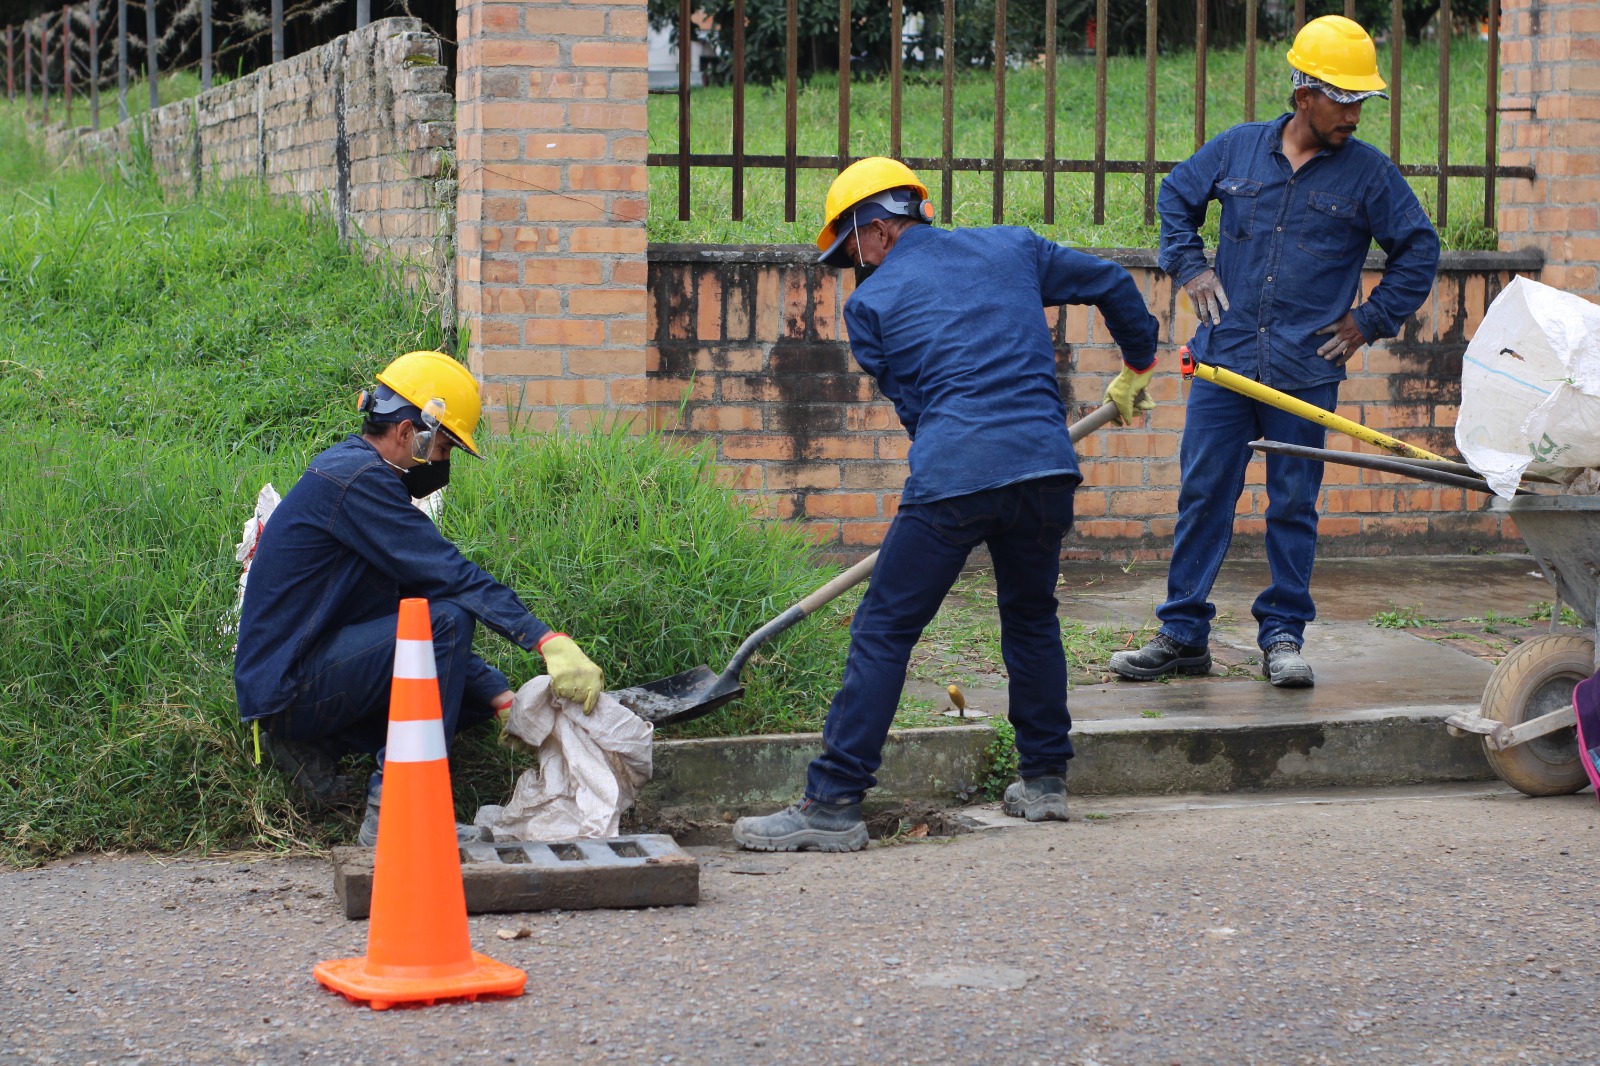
column 892, row 189
column 1335, row 50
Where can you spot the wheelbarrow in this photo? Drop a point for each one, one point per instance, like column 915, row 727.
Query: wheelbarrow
column 1526, row 719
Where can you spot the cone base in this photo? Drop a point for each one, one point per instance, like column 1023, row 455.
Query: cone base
column 349, row 978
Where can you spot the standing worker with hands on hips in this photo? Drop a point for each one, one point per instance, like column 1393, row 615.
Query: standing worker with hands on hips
column 317, row 629
column 951, row 324
column 1302, row 200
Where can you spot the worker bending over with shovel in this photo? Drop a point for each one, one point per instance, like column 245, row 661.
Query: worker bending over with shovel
column 317, row 628
column 951, row 324
column 1302, row 200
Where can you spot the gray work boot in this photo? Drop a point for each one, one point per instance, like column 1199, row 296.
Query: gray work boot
column 1160, row 657
column 808, row 824
column 368, row 836
column 1286, row 669
column 312, row 772
column 1038, row 799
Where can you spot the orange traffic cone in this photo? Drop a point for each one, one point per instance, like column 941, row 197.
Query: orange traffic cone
column 418, row 948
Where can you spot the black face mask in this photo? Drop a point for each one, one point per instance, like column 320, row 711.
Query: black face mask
column 427, row 479
column 864, row 272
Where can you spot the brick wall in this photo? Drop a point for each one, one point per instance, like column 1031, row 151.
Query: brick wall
column 754, row 338
column 1550, row 118
column 551, row 216
column 361, row 128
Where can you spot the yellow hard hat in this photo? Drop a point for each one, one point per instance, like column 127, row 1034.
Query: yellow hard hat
column 862, row 180
column 1338, row 51
column 433, row 380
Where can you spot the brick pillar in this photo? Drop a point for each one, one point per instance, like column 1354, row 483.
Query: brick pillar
column 550, row 226
column 1550, row 100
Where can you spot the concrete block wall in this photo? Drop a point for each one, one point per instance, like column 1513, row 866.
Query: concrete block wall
column 1550, row 119
column 361, row 128
column 752, row 343
column 551, row 216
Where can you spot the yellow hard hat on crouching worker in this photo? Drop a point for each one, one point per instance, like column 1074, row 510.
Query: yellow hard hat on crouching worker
column 441, row 388
column 891, row 186
column 1338, row 52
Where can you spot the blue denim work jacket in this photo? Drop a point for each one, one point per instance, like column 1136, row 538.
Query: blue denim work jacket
column 952, row 327
column 343, row 547
column 1292, row 248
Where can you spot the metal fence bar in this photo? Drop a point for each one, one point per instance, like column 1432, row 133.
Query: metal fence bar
column 1050, row 111
column 999, row 111
column 738, row 110
column 66, row 60
column 896, row 45
column 791, row 83
column 122, row 59
column 27, row 68
column 984, row 164
column 44, row 65
column 11, row 70
column 205, row 42
column 277, row 31
column 947, row 146
column 94, row 63
column 1250, row 60
column 151, row 48
column 1442, row 218
column 1150, row 43
column 844, row 83
column 1491, row 114
column 685, row 39
column 1100, row 52
column 1299, row 17
column 1199, row 73
column 1397, row 36
column 1350, row 10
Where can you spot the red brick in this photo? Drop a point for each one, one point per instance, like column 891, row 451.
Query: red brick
column 606, row 302
column 839, row 448
column 725, row 419
column 594, row 116
column 803, row 476
column 604, row 362
column 521, row 300
column 521, row 177
column 521, row 362
column 518, row 53
column 563, row 392
column 565, row 331
column 708, row 306
column 757, row 447
column 554, row 21
column 842, row 505
column 610, row 54
column 562, row 271
column 607, row 177
column 863, row 534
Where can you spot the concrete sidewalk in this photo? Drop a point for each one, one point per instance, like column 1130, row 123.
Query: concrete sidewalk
column 1375, row 716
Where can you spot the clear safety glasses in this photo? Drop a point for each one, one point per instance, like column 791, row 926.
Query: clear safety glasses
column 432, row 417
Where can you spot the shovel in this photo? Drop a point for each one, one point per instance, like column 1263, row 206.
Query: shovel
column 695, row 693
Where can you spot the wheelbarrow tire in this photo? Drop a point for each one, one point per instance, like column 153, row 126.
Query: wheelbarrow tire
column 1535, row 679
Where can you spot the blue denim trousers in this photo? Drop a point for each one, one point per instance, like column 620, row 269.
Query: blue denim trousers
column 342, row 704
column 922, row 555
column 1217, row 431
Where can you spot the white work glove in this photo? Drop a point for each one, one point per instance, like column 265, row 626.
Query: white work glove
column 1205, row 293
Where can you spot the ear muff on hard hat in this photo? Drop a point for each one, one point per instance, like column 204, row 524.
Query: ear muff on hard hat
column 442, row 389
column 862, row 181
column 1338, row 51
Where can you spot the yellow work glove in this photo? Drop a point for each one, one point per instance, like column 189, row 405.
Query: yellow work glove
column 1127, row 392
column 572, row 675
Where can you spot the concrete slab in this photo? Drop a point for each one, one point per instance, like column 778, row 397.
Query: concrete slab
column 643, row 870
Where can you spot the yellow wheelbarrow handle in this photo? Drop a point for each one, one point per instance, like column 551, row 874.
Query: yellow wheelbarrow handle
column 1284, row 402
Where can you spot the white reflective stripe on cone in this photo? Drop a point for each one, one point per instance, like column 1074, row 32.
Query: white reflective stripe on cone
column 417, row 741
column 413, row 660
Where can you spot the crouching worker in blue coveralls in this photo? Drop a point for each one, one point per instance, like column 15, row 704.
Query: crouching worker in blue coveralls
column 317, row 628
column 951, row 324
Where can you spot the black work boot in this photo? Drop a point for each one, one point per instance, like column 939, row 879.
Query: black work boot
column 1286, row 669
column 1038, row 799
column 312, row 772
column 1160, row 657
column 807, row 824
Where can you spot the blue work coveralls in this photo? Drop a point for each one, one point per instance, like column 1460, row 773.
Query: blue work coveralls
column 1292, row 247
column 317, row 630
column 952, row 326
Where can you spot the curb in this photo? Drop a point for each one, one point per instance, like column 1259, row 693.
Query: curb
column 717, row 780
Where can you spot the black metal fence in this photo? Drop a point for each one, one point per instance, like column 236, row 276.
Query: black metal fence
column 684, row 159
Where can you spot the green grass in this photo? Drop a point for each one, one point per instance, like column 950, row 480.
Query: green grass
column 161, row 359
column 817, row 134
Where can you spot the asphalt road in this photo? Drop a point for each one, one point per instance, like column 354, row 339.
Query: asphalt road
column 1443, row 926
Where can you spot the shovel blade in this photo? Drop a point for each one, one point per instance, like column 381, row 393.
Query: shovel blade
column 681, row 697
